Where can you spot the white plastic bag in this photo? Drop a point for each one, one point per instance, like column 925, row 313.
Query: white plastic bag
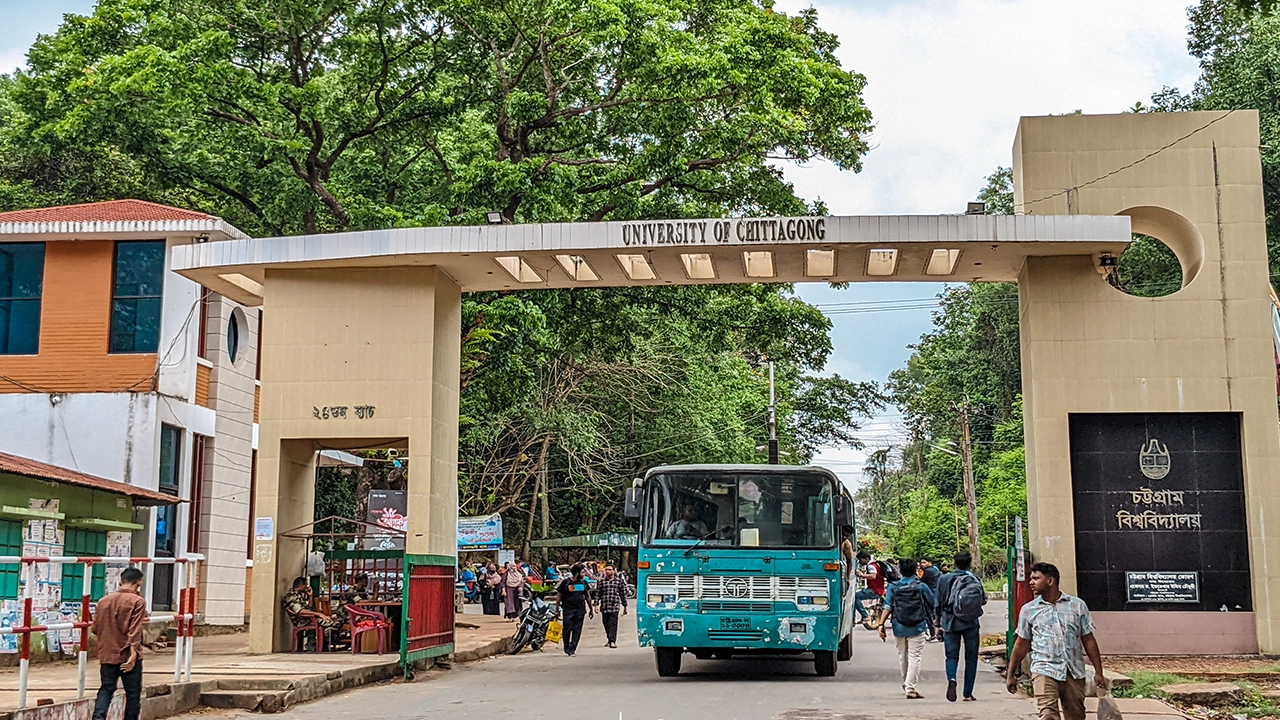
column 1107, row 708
column 315, row 564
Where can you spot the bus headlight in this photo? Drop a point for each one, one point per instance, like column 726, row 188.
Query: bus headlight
column 659, row 599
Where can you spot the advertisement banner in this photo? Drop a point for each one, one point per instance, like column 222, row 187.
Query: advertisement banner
column 480, row 533
column 387, row 509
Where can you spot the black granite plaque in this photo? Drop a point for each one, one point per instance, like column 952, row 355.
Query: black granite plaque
column 1159, row 493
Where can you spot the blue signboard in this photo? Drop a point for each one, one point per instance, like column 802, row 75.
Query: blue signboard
column 480, row 533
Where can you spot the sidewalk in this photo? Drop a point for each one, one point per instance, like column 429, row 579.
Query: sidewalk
column 224, row 674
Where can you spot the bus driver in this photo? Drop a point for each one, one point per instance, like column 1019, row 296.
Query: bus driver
column 688, row 527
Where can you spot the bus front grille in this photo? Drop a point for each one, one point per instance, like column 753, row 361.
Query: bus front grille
column 730, row 606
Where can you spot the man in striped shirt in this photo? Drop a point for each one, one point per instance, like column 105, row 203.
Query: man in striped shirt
column 611, row 596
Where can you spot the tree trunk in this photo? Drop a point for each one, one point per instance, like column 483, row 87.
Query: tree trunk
column 539, row 490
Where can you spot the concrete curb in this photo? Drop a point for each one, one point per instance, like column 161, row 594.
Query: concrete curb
column 497, row 647
column 257, row 695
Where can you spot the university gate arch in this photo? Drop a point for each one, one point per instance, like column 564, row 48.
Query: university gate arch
column 371, row 320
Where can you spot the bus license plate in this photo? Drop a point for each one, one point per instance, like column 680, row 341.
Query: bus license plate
column 732, row 623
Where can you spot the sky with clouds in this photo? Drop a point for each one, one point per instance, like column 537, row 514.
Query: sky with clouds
column 947, row 81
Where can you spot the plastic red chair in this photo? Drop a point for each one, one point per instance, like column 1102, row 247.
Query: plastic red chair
column 365, row 621
column 299, row 632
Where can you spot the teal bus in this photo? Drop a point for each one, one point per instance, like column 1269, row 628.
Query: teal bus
column 742, row 560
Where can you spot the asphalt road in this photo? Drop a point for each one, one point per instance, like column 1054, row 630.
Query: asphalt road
column 603, row 684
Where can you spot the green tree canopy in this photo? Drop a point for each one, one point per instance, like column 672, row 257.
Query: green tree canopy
column 306, row 115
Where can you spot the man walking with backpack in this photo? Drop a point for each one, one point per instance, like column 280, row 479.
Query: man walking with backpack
column 961, row 597
column 909, row 602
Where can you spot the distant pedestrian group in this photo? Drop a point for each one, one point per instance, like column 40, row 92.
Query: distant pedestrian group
column 926, row 604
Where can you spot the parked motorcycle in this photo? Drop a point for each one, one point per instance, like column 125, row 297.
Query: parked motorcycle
column 531, row 625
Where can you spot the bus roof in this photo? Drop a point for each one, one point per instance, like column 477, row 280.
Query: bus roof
column 740, row 468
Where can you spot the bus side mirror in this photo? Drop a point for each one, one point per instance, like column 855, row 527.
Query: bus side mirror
column 844, row 512
column 634, row 501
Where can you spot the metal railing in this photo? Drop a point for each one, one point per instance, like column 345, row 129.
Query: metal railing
column 183, row 617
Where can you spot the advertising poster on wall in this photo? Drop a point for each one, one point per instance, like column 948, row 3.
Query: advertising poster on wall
column 480, row 533
column 387, row 509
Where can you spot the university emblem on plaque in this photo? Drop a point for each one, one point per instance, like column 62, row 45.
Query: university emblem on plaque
column 1154, row 459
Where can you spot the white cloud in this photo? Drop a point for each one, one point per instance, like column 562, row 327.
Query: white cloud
column 11, row 59
column 947, row 81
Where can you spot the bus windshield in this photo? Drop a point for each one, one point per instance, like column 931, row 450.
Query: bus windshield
column 740, row 510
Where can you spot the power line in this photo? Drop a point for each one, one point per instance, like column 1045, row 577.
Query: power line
column 1122, row 168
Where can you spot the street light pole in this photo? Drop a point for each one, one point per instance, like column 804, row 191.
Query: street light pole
column 773, row 421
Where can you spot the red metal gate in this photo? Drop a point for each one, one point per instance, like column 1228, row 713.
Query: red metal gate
column 428, row 607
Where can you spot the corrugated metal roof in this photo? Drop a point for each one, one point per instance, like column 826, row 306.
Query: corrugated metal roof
column 52, row 473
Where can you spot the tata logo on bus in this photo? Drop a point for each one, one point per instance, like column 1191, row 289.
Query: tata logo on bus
column 1154, row 460
column 736, row 588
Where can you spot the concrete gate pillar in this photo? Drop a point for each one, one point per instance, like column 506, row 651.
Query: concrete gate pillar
column 1193, row 180
column 353, row 358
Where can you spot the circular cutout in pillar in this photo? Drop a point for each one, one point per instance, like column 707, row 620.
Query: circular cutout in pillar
column 1165, row 256
column 1148, row 268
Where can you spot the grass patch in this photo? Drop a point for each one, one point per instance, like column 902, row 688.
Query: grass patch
column 1148, row 684
column 994, row 583
column 1255, row 704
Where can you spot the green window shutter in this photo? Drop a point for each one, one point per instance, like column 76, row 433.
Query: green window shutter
column 10, row 544
column 80, row 543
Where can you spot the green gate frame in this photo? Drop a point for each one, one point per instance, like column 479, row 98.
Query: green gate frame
column 407, row 658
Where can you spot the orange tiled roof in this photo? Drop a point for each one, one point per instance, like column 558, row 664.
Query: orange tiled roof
column 110, row 211
column 52, row 473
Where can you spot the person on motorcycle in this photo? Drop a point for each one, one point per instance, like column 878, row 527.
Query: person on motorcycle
column 869, row 572
column 575, row 604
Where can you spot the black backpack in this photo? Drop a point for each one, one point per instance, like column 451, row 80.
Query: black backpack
column 888, row 571
column 908, row 603
column 966, row 597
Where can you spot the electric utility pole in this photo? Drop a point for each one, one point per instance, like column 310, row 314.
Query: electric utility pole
column 970, row 493
column 773, row 421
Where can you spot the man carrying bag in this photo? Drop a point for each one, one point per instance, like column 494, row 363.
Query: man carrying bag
column 960, row 599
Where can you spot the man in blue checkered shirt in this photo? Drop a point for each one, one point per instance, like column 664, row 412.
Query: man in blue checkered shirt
column 611, row 595
column 1057, row 630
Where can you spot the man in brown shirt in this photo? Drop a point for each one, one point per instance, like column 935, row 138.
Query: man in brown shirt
column 117, row 623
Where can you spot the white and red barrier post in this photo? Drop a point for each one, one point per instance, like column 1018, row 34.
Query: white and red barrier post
column 183, row 618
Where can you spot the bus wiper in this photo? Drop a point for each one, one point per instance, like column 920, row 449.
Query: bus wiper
column 695, row 545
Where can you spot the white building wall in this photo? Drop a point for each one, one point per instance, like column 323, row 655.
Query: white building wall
column 179, row 333
column 111, row 435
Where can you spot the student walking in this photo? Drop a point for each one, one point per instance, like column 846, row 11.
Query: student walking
column 909, row 602
column 1057, row 630
column 960, row 600
column 611, row 595
column 117, row 623
column 929, row 575
column 574, row 605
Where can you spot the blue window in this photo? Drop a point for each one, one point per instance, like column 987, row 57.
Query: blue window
column 21, row 280
column 136, row 296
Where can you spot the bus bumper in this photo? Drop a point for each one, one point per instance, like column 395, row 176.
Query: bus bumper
column 796, row 632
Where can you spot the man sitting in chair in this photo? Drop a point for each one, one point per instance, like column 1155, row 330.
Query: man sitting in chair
column 358, row 592
column 297, row 605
